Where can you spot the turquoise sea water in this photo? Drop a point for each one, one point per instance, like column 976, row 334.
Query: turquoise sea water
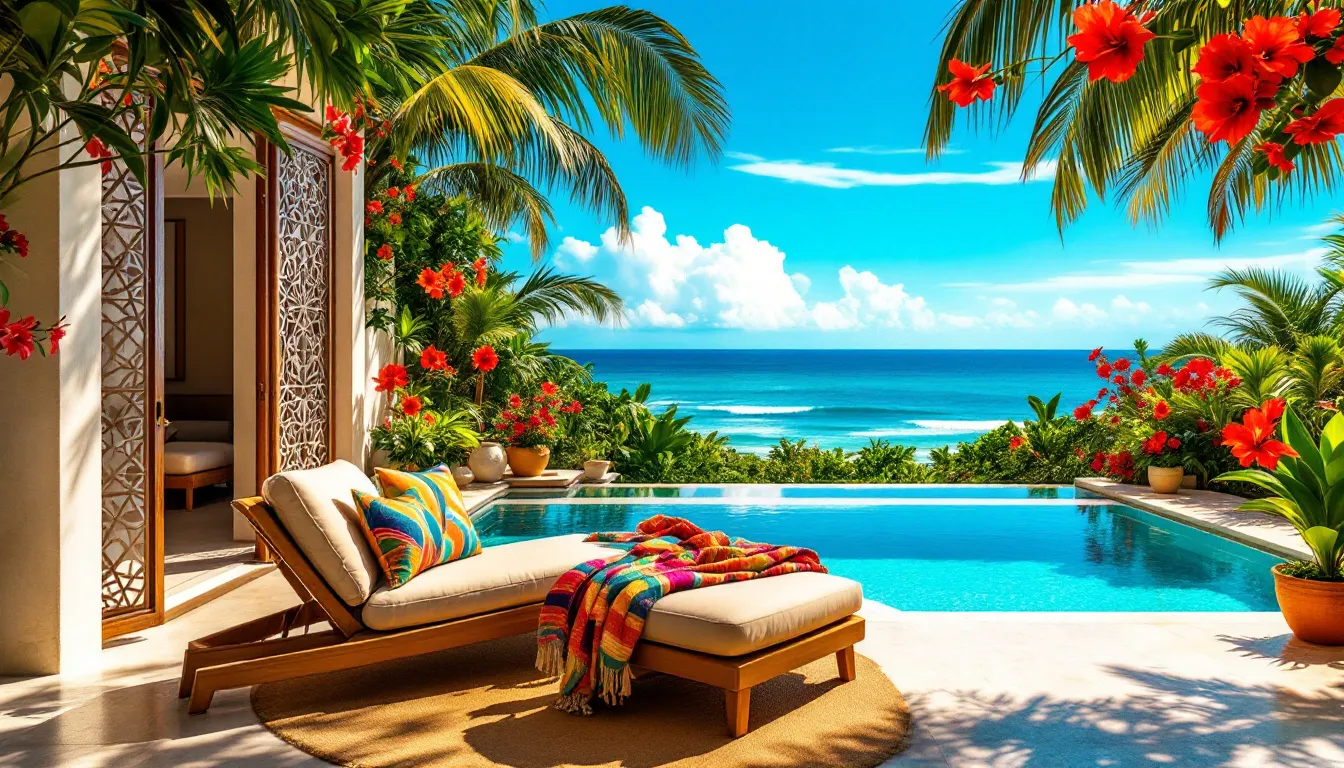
column 844, row 398
column 965, row 557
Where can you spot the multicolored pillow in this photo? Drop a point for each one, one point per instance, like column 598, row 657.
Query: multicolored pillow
column 425, row 524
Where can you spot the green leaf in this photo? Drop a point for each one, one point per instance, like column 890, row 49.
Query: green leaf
column 1325, row 544
column 1183, row 38
column 44, row 23
column 1322, row 77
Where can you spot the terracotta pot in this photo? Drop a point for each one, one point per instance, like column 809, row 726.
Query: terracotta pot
column 1165, row 479
column 1314, row 610
column 462, row 476
column 529, row 462
column 488, row 462
column 1190, row 482
column 596, row 469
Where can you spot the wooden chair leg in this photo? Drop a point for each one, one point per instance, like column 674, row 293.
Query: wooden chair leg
column 190, row 500
column 844, row 658
column 737, row 705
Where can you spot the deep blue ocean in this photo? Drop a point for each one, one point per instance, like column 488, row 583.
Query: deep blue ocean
column 844, row 398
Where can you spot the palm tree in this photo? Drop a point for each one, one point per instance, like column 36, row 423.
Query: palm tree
column 1131, row 142
column 503, row 117
column 499, row 311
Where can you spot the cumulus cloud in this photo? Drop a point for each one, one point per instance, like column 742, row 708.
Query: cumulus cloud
column 1068, row 312
column 652, row 313
column 836, row 177
column 869, row 301
column 580, row 251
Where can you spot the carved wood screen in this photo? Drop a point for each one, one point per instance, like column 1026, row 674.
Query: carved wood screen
column 297, row 276
column 132, row 500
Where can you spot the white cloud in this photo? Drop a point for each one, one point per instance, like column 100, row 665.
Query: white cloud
column 651, row 312
column 801, row 283
column 1066, row 311
column 1315, row 231
column 515, row 237
column 1122, row 304
column 869, row 301
column 1004, row 313
column 1152, row 274
column 580, row 250
column 835, row 177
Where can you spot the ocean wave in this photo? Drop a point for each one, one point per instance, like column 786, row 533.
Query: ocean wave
column 933, row 428
column 755, row 410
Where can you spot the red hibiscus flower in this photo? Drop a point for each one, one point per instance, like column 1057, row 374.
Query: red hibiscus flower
column 97, row 150
column 456, row 284
column 1015, row 442
column 1200, row 367
column 394, row 218
column 1121, row 365
column 410, row 194
column 1228, row 110
column 411, row 405
column 1139, row 377
column 1277, row 44
column 548, row 388
column 433, row 283
column 1253, row 441
column 1318, row 24
column 16, row 338
column 1082, row 412
column 54, row 335
column 574, row 407
column 1336, row 53
column 519, row 428
column 433, row 359
column 1165, row 370
column 391, row 377
column 374, row 207
column 515, row 401
column 1099, row 462
column 16, row 240
column 1110, row 40
column 1173, row 443
column 485, row 359
column 395, row 163
column 1273, row 152
column 1319, row 127
column 968, row 83
column 385, row 252
column 392, row 192
column 480, row 278
column 1225, row 56
column 1155, row 443
column 1161, row 410
column 1104, row 370
column 1095, row 354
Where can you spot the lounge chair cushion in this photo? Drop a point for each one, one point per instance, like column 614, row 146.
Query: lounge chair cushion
column 746, row 616
column 500, row 577
column 188, row 457
column 317, row 508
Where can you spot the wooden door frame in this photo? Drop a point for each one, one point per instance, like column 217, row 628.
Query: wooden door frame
column 136, row 619
column 307, row 134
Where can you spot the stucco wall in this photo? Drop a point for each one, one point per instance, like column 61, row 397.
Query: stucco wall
column 209, row 295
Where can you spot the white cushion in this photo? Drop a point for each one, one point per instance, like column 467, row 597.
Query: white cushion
column 188, row 458
column 500, row 577
column 317, row 508
column 746, row 616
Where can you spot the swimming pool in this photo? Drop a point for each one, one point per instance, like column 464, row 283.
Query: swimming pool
column 1089, row 555
column 760, row 491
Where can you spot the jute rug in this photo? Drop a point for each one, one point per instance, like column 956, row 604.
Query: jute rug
column 485, row 705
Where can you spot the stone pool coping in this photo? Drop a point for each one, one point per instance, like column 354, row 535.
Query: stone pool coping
column 1209, row 511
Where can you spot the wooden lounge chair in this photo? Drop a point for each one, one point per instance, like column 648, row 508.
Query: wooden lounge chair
column 733, row 636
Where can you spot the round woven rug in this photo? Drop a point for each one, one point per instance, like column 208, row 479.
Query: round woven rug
column 485, row 705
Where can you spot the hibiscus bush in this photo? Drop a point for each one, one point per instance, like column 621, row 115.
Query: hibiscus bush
column 529, row 422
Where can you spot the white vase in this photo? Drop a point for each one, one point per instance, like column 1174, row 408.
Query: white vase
column 462, row 475
column 596, row 469
column 488, row 462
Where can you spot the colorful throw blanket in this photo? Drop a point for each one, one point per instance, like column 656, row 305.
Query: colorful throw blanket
column 595, row 613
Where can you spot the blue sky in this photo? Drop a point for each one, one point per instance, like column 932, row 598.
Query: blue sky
column 822, row 228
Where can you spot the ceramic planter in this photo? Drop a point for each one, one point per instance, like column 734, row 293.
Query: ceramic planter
column 488, row 462
column 1165, row 479
column 462, row 475
column 529, row 462
column 1313, row 609
column 596, row 469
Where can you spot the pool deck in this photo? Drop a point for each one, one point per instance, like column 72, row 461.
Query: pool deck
column 1005, row 690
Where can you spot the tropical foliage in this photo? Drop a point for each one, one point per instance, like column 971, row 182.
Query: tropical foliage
column 1138, row 101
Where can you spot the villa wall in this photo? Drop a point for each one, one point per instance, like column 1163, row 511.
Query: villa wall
column 209, row 295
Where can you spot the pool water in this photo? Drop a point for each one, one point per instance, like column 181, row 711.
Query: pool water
column 746, row 491
column 964, row 557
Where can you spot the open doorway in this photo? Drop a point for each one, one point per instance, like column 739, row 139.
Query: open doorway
column 197, row 344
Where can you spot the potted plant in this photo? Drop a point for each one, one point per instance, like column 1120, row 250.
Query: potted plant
column 528, row 426
column 1305, row 480
column 1161, row 456
column 414, row 437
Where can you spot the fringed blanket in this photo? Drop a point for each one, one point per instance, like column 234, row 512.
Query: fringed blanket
column 595, row 613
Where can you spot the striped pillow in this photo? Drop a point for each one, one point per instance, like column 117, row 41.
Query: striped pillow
column 425, row 524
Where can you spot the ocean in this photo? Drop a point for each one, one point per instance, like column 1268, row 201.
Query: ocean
column 845, row 398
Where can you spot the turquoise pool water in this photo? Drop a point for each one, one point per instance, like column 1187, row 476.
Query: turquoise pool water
column 813, row 492
column 965, row 557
